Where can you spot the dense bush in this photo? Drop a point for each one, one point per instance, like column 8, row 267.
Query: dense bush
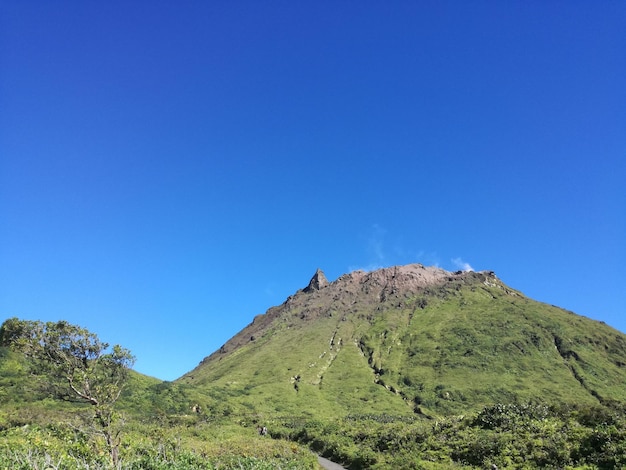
column 148, row 447
column 517, row 436
column 512, row 436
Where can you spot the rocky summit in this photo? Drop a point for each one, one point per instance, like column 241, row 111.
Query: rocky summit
column 412, row 339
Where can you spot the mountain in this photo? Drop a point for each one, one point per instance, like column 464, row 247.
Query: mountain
column 411, row 340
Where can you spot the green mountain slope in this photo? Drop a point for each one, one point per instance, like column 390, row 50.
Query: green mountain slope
column 411, row 340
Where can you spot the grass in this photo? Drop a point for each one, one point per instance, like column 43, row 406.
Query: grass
column 447, row 351
column 453, row 376
column 190, row 445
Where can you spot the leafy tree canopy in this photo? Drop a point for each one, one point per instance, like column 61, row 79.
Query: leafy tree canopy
column 94, row 372
column 74, row 360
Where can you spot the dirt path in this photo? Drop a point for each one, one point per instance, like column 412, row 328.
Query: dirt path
column 328, row 465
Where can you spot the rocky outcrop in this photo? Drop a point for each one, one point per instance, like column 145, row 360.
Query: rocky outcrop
column 353, row 293
column 318, row 281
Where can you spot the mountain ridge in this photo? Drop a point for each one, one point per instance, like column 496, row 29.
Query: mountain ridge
column 377, row 285
column 416, row 340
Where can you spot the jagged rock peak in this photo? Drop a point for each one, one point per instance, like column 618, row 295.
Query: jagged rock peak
column 318, row 281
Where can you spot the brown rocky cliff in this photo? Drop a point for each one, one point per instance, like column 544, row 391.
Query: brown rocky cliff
column 318, row 281
column 357, row 291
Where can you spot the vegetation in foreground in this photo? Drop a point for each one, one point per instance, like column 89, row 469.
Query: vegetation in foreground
column 150, row 446
column 515, row 436
column 68, row 401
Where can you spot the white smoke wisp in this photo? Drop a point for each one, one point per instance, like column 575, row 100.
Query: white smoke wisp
column 375, row 250
column 462, row 265
column 375, row 244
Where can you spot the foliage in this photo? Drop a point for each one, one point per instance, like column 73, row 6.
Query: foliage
column 516, row 436
column 70, row 359
column 150, row 447
column 73, row 354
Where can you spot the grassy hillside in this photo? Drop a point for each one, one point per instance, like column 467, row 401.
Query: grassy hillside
column 478, row 345
column 406, row 367
column 443, row 349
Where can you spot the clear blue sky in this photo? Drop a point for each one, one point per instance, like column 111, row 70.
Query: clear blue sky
column 169, row 170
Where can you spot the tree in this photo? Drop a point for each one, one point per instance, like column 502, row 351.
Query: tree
column 75, row 362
